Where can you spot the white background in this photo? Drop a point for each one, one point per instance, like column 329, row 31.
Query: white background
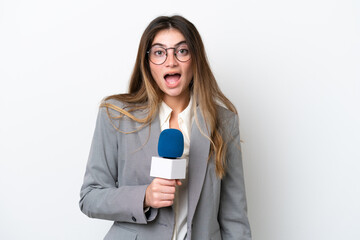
column 290, row 67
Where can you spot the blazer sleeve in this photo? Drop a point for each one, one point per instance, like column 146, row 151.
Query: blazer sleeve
column 232, row 216
column 100, row 196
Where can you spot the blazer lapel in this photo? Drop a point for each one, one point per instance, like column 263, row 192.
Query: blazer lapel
column 198, row 158
column 198, row 155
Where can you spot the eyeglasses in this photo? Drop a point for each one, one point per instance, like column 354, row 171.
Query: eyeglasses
column 158, row 55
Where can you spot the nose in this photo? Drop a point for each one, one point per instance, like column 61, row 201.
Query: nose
column 171, row 60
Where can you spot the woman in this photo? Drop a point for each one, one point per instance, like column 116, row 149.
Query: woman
column 172, row 86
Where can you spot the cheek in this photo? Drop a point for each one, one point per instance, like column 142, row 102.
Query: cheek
column 189, row 73
column 155, row 73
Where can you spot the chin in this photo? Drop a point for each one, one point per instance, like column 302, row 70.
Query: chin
column 173, row 93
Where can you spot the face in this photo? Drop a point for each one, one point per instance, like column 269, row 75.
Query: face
column 173, row 76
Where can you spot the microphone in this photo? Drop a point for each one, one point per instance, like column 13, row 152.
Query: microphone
column 170, row 147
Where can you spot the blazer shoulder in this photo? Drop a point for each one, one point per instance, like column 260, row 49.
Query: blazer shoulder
column 115, row 105
column 225, row 115
column 114, row 111
column 114, row 102
column 110, row 107
column 228, row 122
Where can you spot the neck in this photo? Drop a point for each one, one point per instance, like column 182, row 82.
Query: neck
column 177, row 103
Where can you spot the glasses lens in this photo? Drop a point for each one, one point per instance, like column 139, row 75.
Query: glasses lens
column 182, row 53
column 157, row 55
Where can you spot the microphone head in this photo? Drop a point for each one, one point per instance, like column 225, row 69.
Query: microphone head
column 171, row 143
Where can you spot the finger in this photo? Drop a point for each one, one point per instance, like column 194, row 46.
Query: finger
column 166, row 182
column 178, row 182
column 158, row 188
column 157, row 199
column 167, row 197
column 167, row 189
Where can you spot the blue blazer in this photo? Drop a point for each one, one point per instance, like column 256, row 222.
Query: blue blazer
column 117, row 175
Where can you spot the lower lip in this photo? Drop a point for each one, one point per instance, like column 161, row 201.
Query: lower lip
column 172, row 83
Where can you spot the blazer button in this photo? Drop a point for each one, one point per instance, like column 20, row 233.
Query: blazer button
column 133, row 218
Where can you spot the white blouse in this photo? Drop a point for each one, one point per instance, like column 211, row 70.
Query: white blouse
column 180, row 205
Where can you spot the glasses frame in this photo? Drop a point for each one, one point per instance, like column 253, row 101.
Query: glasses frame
column 166, row 54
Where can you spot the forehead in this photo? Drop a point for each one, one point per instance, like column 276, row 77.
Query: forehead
column 168, row 37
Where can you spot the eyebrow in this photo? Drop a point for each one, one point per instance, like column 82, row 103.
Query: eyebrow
column 162, row 45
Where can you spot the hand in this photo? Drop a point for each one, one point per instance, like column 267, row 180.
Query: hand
column 161, row 193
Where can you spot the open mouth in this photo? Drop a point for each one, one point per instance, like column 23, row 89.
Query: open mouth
column 172, row 78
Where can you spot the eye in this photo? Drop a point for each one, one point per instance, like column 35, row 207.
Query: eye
column 158, row 52
column 182, row 51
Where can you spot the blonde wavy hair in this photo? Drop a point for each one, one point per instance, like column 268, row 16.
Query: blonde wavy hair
column 145, row 94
